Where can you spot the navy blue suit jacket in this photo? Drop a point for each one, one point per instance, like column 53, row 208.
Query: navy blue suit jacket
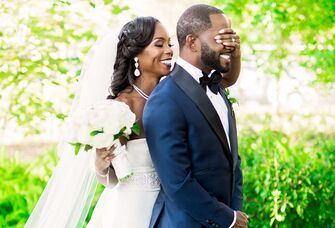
column 201, row 179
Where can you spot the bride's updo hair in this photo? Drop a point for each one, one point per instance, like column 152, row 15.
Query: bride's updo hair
column 133, row 38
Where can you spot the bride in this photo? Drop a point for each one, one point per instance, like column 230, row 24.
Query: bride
column 143, row 56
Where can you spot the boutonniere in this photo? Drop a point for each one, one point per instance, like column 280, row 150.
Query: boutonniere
column 231, row 99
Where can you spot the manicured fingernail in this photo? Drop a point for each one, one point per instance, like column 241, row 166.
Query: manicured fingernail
column 222, row 31
column 217, row 37
column 218, row 41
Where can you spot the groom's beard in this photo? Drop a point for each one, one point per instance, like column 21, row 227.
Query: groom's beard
column 211, row 59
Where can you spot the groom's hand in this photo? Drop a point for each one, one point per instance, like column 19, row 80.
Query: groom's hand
column 241, row 220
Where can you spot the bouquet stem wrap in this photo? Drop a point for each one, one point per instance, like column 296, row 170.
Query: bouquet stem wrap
column 121, row 163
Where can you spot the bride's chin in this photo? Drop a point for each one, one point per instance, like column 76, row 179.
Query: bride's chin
column 166, row 71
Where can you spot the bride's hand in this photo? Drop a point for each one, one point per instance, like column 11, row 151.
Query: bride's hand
column 103, row 159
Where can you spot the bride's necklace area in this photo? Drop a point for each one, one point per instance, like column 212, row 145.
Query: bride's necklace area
column 141, row 93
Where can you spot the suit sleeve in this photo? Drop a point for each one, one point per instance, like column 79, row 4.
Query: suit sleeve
column 166, row 131
column 237, row 199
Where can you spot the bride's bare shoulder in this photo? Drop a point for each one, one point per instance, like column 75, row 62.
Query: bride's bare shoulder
column 125, row 97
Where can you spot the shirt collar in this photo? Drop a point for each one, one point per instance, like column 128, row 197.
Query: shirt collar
column 195, row 72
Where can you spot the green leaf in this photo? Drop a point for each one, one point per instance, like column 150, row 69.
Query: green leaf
column 71, row 96
column 77, row 147
column 118, row 9
column 136, row 128
column 227, row 92
column 63, row 70
column 87, row 147
column 61, row 116
column 106, row 2
column 95, row 132
column 118, row 135
column 55, row 83
column 92, row 4
column 233, row 100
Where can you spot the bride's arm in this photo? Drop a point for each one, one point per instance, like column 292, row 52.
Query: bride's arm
column 231, row 43
column 103, row 167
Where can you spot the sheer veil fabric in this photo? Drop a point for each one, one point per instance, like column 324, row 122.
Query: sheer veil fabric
column 67, row 197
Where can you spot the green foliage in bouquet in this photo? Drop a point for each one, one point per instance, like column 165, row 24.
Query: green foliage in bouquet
column 288, row 180
column 21, row 186
column 135, row 129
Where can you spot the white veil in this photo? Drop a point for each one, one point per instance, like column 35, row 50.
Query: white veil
column 67, row 197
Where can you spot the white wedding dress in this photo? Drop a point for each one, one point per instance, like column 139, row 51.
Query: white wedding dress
column 129, row 204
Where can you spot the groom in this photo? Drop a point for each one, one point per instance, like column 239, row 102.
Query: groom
column 190, row 129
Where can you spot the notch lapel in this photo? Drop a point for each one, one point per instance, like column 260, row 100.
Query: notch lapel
column 194, row 91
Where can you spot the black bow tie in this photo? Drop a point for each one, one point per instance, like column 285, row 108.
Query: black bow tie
column 212, row 82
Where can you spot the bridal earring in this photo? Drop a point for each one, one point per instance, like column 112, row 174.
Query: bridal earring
column 137, row 72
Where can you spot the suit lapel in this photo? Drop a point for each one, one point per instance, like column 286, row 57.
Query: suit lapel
column 232, row 126
column 199, row 97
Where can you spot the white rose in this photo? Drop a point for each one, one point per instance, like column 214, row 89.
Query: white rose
column 102, row 140
column 111, row 126
column 96, row 119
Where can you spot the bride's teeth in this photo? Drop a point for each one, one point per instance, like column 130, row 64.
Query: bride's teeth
column 166, row 62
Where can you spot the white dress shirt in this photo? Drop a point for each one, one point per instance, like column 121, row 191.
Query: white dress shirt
column 216, row 100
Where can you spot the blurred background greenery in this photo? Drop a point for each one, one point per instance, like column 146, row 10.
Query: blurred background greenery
column 286, row 98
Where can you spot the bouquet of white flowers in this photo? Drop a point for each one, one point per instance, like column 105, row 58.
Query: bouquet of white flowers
column 101, row 126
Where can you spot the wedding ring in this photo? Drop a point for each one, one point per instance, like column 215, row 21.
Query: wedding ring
column 233, row 39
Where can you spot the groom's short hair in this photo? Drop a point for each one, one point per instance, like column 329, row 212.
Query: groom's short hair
column 195, row 20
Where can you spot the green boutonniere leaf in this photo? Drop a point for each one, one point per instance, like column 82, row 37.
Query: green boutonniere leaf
column 231, row 99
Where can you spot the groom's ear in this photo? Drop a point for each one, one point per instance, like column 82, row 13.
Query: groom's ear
column 191, row 43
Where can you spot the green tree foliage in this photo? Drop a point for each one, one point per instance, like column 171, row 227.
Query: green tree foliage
column 279, row 34
column 42, row 45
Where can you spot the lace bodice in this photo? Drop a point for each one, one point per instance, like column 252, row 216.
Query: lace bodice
column 144, row 175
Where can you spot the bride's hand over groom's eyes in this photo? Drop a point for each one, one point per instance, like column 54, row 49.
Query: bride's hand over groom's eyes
column 230, row 41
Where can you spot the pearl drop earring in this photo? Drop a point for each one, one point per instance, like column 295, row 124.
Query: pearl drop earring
column 137, row 72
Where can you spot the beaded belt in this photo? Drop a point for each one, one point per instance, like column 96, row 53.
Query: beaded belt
column 146, row 180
